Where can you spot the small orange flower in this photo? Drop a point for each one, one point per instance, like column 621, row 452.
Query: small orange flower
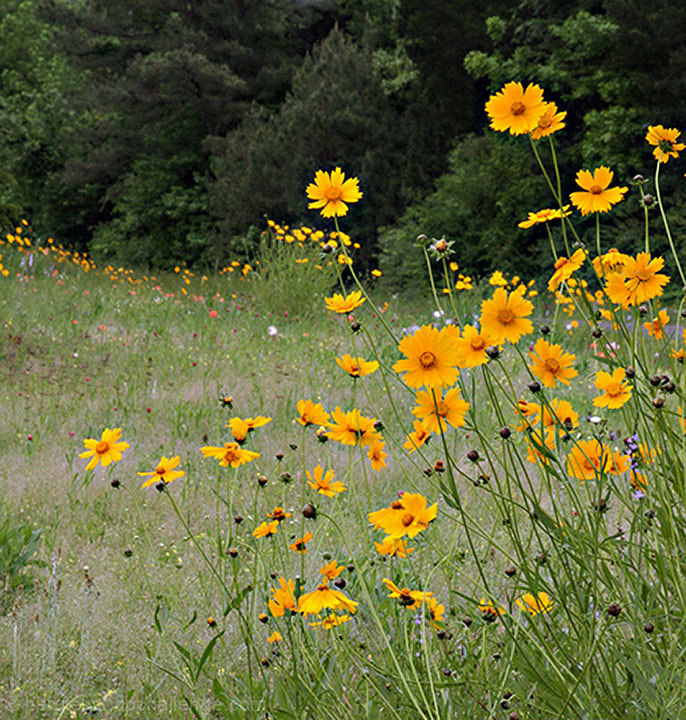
column 505, row 317
column 665, row 141
column 344, row 305
column 311, row 414
column 407, row 516
column 230, row 454
column 377, row 455
column 324, row 483
column 417, row 437
column 299, row 544
column 515, row 109
column 266, row 529
column 331, row 192
column 107, row 450
column 549, row 122
column 656, row 327
column 430, row 358
column 357, row 367
column 551, row 364
column 435, row 411
column 164, row 472
column 597, row 196
column 565, row 268
column 616, row 392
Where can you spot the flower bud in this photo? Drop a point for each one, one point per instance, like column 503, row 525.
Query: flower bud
column 613, row 609
column 473, row 455
column 493, row 352
column 309, row 511
column 534, row 386
column 505, row 433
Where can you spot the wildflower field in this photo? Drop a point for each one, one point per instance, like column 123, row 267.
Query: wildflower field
column 272, row 491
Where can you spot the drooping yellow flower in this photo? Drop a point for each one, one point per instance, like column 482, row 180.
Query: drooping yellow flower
column 616, row 392
column 357, row 367
column 410, row 599
column 596, row 195
column 549, row 122
column 325, row 598
column 331, row 570
column 417, row 437
column 275, row 637
column 407, row 516
column 665, row 141
column 534, row 604
column 551, row 364
column 164, row 472
column 471, row 347
column 107, row 450
column 344, row 305
column 489, row 611
column 590, row 458
column 611, row 261
column 543, row 216
column 266, row 529
column 299, row 545
column 430, row 358
column 505, row 317
column 352, row 428
column 515, row 109
column 278, row 514
column 657, row 326
column 283, row 598
column 324, row 483
column 565, row 268
column 638, row 281
column 377, row 455
column 436, row 413
column 393, row 548
column 331, row 621
column 331, row 192
column 311, row 413
column 230, row 454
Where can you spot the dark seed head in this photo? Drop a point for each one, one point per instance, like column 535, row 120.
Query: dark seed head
column 233, row 552
column 355, row 326
column 511, row 571
column 340, row 583
column 309, row 511
column 493, row 352
column 505, row 433
column 613, row 609
column 238, row 519
column 467, row 621
column 261, row 480
column 545, row 329
column 597, row 332
column 473, row 455
column 658, row 402
column 649, row 627
column 655, row 380
column 630, row 372
column 534, row 386
column 115, row 483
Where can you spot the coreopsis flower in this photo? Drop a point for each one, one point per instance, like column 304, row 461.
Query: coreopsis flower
column 331, row 570
column 471, row 347
column 231, row 453
column 596, row 195
column 534, row 604
column 344, row 305
column 256, row 422
column 505, row 317
column 239, row 429
column 275, row 637
column 325, row 598
column 331, row 621
column 377, row 455
column 549, row 122
column 107, row 450
column 611, row 261
column 665, row 141
column 331, row 193
column 311, row 413
column 407, row 516
column 357, row 367
column 616, row 392
column 638, row 281
column 430, row 358
column 164, row 472
column 436, row 611
column 539, row 446
column 489, row 611
column 299, row 545
column 557, row 414
column 639, row 481
column 565, row 268
column 266, row 529
column 283, row 598
column 417, row 437
column 543, row 216
column 393, row 548
column 324, row 483
column 435, row 411
column 657, row 325
column 410, row 599
column 352, row 428
column 590, row 458
column 278, row 514
column 515, row 109
column 551, row 364
column 497, row 279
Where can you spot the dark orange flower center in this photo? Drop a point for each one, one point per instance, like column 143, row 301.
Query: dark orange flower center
column 595, row 190
column 102, row 447
column 396, row 505
column 442, row 408
column 552, row 365
column 160, row 470
column 427, row 359
column 644, row 274
column 614, row 389
column 408, row 519
column 517, row 108
column 477, row 343
column 333, row 193
column 322, row 587
column 506, row 316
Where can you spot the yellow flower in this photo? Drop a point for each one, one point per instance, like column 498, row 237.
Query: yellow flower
column 164, row 472
column 436, row 413
column 107, row 450
column 665, row 141
column 325, row 598
column 410, row 599
column 324, row 483
column 516, row 109
column 590, row 458
column 417, row 437
column 611, row 261
column 377, row 455
column 239, row 429
column 490, row 611
column 472, row 346
column 542, row 216
column 551, row 364
column 534, row 604
column 331, row 621
column 393, row 548
column 357, row 367
column 352, row 428
column 616, row 392
column 230, row 454
column 656, row 327
column 331, row 192
column 331, row 570
column 638, row 281
column 344, row 305
column 497, row 279
column 266, row 529
column 283, row 598
column 565, row 268
column 407, row 516
column 430, row 358
column 548, row 123
column 298, row 545
column 311, row 414
column 596, row 195
column 275, row 637
column 504, row 318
